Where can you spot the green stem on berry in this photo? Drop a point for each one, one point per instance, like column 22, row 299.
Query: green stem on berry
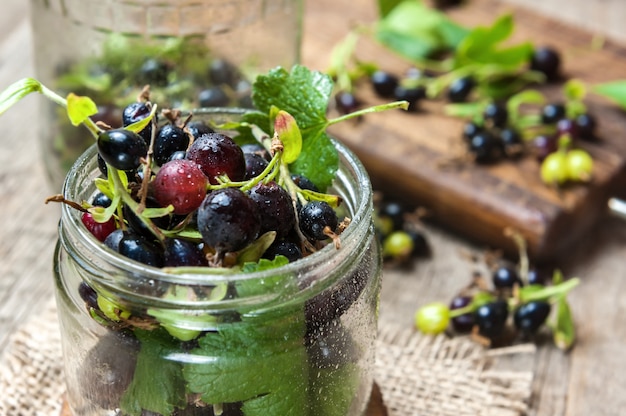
column 549, row 292
column 132, row 204
column 404, row 105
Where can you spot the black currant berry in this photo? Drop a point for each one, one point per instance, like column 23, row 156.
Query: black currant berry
column 138, row 248
column 316, row 218
column 346, row 102
column 552, row 113
column 486, row 147
column 122, row 149
column 228, row 220
column 471, row 129
column 134, row 112
column 393, row 210
column 586, row 126
column 198, row 128
column 529, row 317
column 491, row 318
column 283, row 248
column 255, row 164
column 496, row 114
column 222, row 72
column 505, row 276
column 218, row 154
column 304, row 183
column 169, row 139
column 412, row 95
column 460, row 89
column 154, row 72
column 275, row 208
column 547, row 61
column 384, row 83
column 179, row 252
column 465, row 322
column 213, row 97
column 512, row 142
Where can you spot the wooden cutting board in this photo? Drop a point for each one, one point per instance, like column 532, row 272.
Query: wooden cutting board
column 408, row 154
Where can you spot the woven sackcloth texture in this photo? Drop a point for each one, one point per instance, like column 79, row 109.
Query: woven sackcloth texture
column 418, row 375
column 440, row 376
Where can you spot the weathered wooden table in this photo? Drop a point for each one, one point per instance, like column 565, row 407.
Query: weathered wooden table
column 586, row 381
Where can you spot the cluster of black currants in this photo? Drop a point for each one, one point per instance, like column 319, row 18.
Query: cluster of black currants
column 493, row 139
column 399, row 231
column 491, row 318
column 215, row 189
column 493, row 312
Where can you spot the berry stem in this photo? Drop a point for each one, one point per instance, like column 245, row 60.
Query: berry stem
column 404, row 105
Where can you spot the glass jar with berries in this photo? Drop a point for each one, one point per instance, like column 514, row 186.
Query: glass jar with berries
column 215, row 304
column 200, row 53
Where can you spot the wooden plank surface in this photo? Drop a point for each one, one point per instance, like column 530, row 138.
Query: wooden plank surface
column 409, row 154
column 586, row 381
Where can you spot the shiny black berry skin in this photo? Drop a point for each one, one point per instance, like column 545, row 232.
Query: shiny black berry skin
column 470, row 130
column 304, row 183
column 505, row 276
column 346, row 102
column 255, row 164
column 496, row 114
column 275, row 208
column 586, row 126
column 384, row 83
column 283, row 248
column 135, row 112
column 101, row 200
column 460, row 89
column 529, row 317
column 395, row 211
column 412, row 95
column 198, row 127
column 218, row 154
column 228, row 220
column 546, row 60
column 179, row 252
column 552, row 113
column 122, row 149
column 169, row 139
column 315, row 217
column 154, row 72
column 512, row 142
column 486, row 147
column 213, row 97
column 491, row 318
column 138, row 248
column 462, row 323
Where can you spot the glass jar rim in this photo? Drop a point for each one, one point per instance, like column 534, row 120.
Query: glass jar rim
column 93, row 248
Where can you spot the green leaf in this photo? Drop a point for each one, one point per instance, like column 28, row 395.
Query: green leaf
column 288, row 133
column 262, row 363
column 305, row 95
column 278, row 284
column 614, row 91
column 184, row 325
column 138, row 126
column 157, row 212
column 80, row 108
column 416, row 31
column 483, row 46
column 386, row 6
column 564, row 331
column 16, row 91
column 157, row 384
column 317, row 162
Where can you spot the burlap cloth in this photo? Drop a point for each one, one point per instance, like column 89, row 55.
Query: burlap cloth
column 417, row 374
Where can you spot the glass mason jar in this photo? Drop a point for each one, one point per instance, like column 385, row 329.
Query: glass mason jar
column 192, row 53
column 295, row 340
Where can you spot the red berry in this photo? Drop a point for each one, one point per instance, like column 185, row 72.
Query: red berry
column 100, row 230
column 182, row 184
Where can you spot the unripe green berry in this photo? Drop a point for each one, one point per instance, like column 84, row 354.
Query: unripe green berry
column 432, row 318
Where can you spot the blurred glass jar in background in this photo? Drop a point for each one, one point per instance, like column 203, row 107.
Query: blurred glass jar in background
column 192, row 53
